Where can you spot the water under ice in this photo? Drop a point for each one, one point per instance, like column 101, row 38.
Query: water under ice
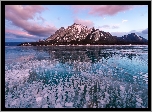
column 76, row 77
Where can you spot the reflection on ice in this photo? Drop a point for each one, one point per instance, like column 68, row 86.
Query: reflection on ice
column 91, row 77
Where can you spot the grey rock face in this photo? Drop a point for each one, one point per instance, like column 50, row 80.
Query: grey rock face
column 78, row 32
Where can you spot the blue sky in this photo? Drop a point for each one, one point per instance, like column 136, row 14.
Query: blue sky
column 34, row 22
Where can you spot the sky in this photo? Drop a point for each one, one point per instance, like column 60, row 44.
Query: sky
column 29, row 23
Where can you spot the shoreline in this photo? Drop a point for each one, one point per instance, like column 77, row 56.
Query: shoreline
column 98, row 45
column 76, row 45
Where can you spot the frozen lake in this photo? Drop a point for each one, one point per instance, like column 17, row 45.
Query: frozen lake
column 76, row 77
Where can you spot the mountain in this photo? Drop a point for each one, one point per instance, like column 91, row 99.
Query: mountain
column 73, row 32
column 78, row 34
column 133, row 38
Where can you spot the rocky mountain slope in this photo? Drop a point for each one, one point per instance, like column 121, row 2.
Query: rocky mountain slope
column 78, row 34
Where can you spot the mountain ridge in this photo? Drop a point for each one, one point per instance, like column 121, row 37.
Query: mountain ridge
column 78, row 34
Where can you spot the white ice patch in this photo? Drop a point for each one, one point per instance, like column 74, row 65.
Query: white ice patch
column 69, row 104
column 16, row 75
column 122, row 88
column 102, row 101
column 138, row 104
column 106, row 95
column 39, row 99
column 14, row 102
column 139, row 100
column 58, row 105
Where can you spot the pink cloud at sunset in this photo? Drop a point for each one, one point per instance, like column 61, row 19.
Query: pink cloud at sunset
column 19, row 16
column 87, row 23
column 17, row 32
column 116, row 26
column 23, row 12
column 102, row 10
column 35, row 22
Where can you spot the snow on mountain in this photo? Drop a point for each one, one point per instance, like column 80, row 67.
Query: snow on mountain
column 78, row 34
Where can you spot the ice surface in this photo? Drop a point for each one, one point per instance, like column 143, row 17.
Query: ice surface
column 49, row 83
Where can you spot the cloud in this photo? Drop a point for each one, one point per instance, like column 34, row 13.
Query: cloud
column 17, row 32
column 20, row 16
column 101, row 10
column 109, row 26
column 119, row 34
column 10, row 36
column 139, row 33
column 15, row 36
column 115, row 26
column 23, row 12
column 87, row 23
column 105, row 26
column 19, row 38
column 145, row 31
column 40, row 18
column 124, row 21
column 21, row 35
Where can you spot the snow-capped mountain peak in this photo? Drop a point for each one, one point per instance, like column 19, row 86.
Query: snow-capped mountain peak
column 78, row 33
